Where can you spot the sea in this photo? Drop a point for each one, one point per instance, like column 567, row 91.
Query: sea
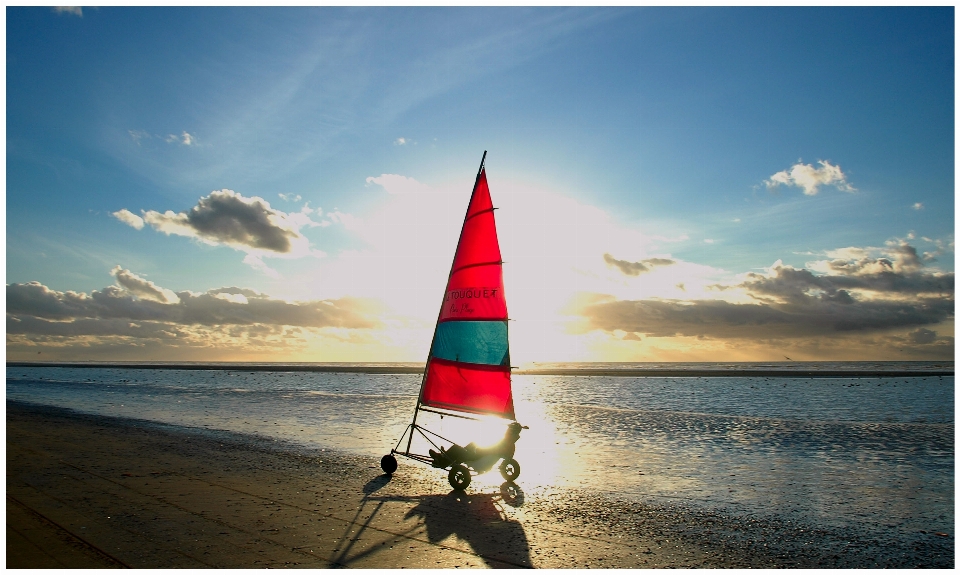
column 853, row 444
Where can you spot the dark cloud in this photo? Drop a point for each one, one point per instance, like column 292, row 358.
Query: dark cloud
column 923, row 336
column 793, row 284
column 37, row 307
column 903, row 258
column 226, row 217
column 636, row 268
column 720, row 319
column 27, row 325
column 142, row 288
column 208, row 309
column 247, row 293
column 869, row 295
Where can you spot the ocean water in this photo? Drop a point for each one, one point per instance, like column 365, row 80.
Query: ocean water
column 862, row 450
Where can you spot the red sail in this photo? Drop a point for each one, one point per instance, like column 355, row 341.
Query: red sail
column 468, row 368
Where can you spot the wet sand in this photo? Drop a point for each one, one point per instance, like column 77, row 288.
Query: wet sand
column 88, row 491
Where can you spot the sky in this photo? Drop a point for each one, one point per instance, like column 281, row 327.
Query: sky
column 288, row 184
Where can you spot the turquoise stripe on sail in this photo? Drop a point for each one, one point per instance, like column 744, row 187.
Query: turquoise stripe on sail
column 483, row 342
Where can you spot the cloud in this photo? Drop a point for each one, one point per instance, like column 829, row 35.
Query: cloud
column 918, row 206
column 138, row 135
column 923, row 336
column 142, row 288
column 36, row 309
column 810, row 179
column 816, row 317
column 893, row 267
column 129, row 218
column 400, row 142
column 185, row 138
column 861, row 295
column 75, row 10
column 396, row 184
column 257, row 263
column 290, row 197
column 228, row 218
column 636, row 268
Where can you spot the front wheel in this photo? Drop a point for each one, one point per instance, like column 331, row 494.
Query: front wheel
column 510, row 469
column 459, row 477
column 388, row 463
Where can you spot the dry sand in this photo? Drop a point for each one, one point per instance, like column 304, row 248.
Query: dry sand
column 86, row 491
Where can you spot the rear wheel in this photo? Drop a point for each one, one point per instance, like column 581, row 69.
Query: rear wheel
column 459, row 477
column 510, row 469
column 388, row 463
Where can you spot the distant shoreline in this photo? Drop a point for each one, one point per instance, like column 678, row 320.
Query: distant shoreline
column 791, row 370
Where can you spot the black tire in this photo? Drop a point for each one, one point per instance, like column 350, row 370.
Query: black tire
column 388, row 464
column 510, row 469
column 459, row 477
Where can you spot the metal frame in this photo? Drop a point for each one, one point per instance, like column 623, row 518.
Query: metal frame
column 423, row 431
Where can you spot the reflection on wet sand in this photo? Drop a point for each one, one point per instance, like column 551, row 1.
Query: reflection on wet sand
column 476, row 519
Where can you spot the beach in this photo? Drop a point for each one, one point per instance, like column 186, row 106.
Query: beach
column 95, row 491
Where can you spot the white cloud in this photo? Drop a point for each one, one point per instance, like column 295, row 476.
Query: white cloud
column 129, row 218
column 918, row 206
column 396, row 184
column 348, row 221
column 400, row 142
column 810, row 179
column 75, row 10
column 185, row 138
column 290, row 197
column 138, row 135
column 256, row 262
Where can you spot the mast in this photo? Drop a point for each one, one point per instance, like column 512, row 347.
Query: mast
column 426, row 367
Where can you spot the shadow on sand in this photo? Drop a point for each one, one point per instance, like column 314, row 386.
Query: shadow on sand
column 476, row 519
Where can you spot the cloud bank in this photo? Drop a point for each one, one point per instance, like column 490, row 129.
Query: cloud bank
column 892, row 294
column 138, row 313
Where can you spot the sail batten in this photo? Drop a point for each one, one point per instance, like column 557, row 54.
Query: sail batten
column 493, row 263
column 468, row 368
